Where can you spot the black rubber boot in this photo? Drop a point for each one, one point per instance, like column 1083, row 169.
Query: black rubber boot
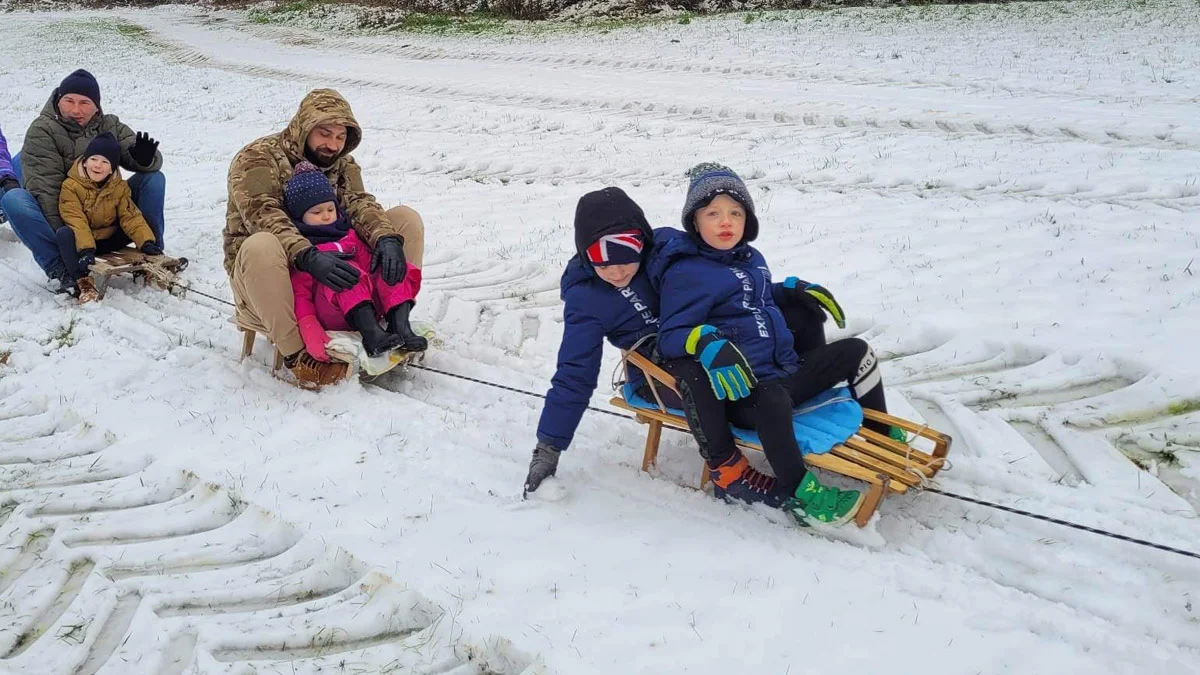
column 62, row 281
column 374, row 338
column 398, row 325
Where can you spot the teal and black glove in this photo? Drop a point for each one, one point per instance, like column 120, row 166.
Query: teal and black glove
column 727, row 369
column 816, row 296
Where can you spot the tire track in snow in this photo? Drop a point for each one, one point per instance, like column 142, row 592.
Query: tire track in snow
column 782, row 122
column 1179, row 196
column 150, row 570
column 772, row 72
column 1066, row 408
column 239, row 616
column 477, row 300
column 923, row 526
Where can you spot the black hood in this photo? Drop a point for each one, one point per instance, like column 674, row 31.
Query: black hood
column 605, row 212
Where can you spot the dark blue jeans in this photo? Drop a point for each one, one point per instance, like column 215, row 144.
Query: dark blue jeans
column 30, row 226
column 70, row 253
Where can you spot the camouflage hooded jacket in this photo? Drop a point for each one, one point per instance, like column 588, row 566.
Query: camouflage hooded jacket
column 260, row 171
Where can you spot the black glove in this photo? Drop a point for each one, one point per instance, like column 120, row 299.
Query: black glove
column 542, row 466
column 814, row 296
column 87, row 258
column 143, row 149
column 328, row 269
column 389, row 259
column 9, row 183
column 796, row 298
column 152, row 248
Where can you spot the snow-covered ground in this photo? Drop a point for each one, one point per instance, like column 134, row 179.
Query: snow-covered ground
column 1005, row 199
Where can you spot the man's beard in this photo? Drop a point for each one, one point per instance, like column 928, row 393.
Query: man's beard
column 317, row 159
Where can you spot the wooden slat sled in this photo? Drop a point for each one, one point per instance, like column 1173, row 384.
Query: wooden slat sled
column 886, row 465
column 156, row 270
column 249, row 335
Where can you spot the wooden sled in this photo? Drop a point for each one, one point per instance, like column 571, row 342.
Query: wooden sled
column 249, row 335
column 886, row 465
column 157, row 270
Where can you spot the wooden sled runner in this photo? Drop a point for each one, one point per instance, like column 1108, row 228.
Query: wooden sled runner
column 884, row 464
column 156, row 270
column 393, row 359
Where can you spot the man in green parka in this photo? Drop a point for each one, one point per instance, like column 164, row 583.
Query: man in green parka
column 71, row 118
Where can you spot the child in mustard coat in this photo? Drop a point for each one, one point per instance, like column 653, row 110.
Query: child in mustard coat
column 100, row 215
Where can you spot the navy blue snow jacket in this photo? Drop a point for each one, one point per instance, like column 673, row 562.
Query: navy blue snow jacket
column 730, row 290
column 595, row 310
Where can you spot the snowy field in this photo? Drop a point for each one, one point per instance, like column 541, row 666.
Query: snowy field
column 1005, row 199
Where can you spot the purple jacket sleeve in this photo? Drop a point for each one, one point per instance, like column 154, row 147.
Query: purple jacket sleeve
column 6, row 167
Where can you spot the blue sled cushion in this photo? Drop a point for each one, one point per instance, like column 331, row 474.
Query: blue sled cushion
column 820, row 423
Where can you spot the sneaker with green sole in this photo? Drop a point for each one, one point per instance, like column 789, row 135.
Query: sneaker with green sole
column 816, row 502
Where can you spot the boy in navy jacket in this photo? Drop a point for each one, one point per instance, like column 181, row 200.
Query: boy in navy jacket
column 607, row 295
column 720, row 310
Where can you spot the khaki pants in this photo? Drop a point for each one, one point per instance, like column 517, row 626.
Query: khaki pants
column 262, row 285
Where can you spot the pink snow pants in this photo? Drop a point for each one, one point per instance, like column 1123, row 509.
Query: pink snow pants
column 330, row 306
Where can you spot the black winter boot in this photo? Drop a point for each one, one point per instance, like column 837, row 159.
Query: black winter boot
column 398, row 325
column 374, row 338
column 62, row 281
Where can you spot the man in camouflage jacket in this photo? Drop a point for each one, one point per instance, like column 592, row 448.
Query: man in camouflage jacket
column 262, row 243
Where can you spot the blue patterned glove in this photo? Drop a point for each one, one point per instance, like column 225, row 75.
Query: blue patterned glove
column 802, row 291
column 727, row 369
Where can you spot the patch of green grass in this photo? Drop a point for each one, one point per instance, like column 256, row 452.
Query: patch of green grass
column 64, row 335
column 470, row 24
column 1184, row 407
column 608, row 24
column 280, row 12
column 131, row 30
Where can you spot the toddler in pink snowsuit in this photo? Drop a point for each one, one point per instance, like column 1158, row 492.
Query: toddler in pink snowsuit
column 312, row 203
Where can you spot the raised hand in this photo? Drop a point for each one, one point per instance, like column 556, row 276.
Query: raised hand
column 143, row 149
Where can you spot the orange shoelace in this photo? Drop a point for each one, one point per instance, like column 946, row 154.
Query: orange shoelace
column 727, row 474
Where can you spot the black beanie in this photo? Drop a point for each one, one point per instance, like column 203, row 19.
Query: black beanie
column 107, row 147
column 80, row 82
column 605, row 212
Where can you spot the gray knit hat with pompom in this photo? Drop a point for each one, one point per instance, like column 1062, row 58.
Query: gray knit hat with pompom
column 709, row 179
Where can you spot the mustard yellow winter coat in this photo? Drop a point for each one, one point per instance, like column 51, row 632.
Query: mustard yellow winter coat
column 96, row 211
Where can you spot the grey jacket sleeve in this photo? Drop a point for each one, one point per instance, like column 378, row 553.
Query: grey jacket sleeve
column 44, row 170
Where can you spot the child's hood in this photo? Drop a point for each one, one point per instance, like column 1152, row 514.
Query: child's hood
column 672, row 245
column 608, row 211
